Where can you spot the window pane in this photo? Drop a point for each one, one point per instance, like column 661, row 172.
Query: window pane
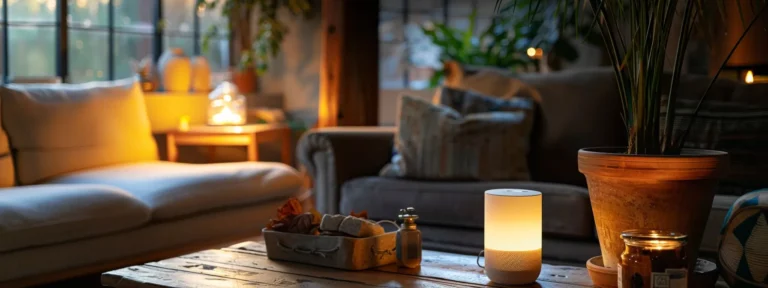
column 88, row 56
column 178, row 15
column 392, row 65
column 33, row 52
column 186, row 43
column 87, row 13
column 218, row 55
column 1, row 53
column 390, row 27
column 431, row 6
column 130, row 47
column 212, row 18
column 135, row 15
column 32, row 10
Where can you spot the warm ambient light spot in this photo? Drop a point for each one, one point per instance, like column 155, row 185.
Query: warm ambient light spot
column 226, row 116
column 750, row 78
column 535, row 53
column 531, row 52
column 184, row 123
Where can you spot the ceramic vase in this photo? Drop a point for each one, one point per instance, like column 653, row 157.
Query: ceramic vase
column 664, row 192
column 175, row 70
column 201, row 74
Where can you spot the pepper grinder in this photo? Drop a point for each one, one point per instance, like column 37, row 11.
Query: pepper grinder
column 408, row 239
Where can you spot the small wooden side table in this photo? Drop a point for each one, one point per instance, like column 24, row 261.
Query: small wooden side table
column 244, row 135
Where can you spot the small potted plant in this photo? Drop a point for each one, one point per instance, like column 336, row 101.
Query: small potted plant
column 255, row 48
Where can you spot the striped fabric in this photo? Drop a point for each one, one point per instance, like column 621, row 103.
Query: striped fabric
column 471, row 137
column 744, row 241
column 741, row 130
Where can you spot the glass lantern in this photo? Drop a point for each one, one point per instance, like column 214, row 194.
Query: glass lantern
column 226, row 106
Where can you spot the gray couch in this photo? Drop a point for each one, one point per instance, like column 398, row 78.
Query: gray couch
column 579, row 109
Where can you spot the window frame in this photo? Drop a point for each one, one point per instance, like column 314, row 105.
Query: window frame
column 62, row 26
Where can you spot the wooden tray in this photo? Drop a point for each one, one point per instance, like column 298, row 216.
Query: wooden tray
column 331, row 251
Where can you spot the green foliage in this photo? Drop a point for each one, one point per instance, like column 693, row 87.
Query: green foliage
column 517, row 26
column 257, row 49
column 498, row 45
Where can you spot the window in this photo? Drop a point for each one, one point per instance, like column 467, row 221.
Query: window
column 406, row 57
column 89, row 40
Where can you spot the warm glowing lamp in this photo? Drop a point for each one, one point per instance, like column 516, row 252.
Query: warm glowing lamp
column 512, row 236
column 750, row 78
column 535, row 53
column 531, row 52
column 226, row 106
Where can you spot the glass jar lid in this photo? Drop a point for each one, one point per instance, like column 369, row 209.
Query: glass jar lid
column 654, row 238
column 645, row 234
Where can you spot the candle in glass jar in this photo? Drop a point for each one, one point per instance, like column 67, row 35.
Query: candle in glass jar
column 653, row 258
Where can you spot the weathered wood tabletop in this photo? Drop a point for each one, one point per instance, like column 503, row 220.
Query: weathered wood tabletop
column 246, row 265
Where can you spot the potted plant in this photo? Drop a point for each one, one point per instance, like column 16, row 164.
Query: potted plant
column 255, row 48
column 654, row 183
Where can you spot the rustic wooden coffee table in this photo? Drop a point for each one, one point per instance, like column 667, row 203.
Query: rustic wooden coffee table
column 246, row 265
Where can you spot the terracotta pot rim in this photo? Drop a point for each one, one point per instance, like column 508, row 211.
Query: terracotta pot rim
column 693, row 164
column 618, row 151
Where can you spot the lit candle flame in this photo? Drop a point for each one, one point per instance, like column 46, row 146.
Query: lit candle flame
column 226, row 116
column 750, row 78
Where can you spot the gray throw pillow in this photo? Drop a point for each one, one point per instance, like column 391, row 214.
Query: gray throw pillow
column 473, row 137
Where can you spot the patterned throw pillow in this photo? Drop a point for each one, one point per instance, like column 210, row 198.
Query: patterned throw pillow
column 474, row 138
column 739, row 129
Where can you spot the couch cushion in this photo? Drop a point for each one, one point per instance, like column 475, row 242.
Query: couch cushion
column 711, row 239
column 46, row 214
column 490, row 142
column 179, row 235
column 177, row 189
column 567, row 210
column 56, row 129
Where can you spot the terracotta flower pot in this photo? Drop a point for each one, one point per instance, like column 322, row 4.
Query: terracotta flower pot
column 650, row 191
column 246, row 80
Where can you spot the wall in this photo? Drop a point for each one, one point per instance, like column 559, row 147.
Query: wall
column 295, row 72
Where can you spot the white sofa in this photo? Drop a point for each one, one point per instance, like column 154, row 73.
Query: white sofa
column 84, row 192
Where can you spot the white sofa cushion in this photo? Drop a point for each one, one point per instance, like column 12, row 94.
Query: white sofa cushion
column 222, row 226
column 56, row 129
column 46, row 214
column 178, row 189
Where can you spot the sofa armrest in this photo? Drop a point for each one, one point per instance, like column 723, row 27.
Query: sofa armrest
column 332, row 156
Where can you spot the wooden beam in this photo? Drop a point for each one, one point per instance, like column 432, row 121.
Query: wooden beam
column 349, row 69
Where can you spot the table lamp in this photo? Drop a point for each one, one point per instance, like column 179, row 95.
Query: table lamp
column 512, row 236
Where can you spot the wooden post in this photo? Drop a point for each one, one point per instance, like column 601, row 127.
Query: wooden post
column 349, row 69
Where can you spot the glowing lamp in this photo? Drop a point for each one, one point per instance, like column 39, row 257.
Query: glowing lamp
column 512, row 236
column 226, row 106
column 535, row 53
column 750, row 78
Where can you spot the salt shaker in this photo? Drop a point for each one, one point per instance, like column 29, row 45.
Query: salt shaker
column 408, row 239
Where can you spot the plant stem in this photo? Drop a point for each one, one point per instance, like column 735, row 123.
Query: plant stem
column 682, row 43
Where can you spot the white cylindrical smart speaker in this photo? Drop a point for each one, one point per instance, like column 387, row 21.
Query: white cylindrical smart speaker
column 512, row 236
